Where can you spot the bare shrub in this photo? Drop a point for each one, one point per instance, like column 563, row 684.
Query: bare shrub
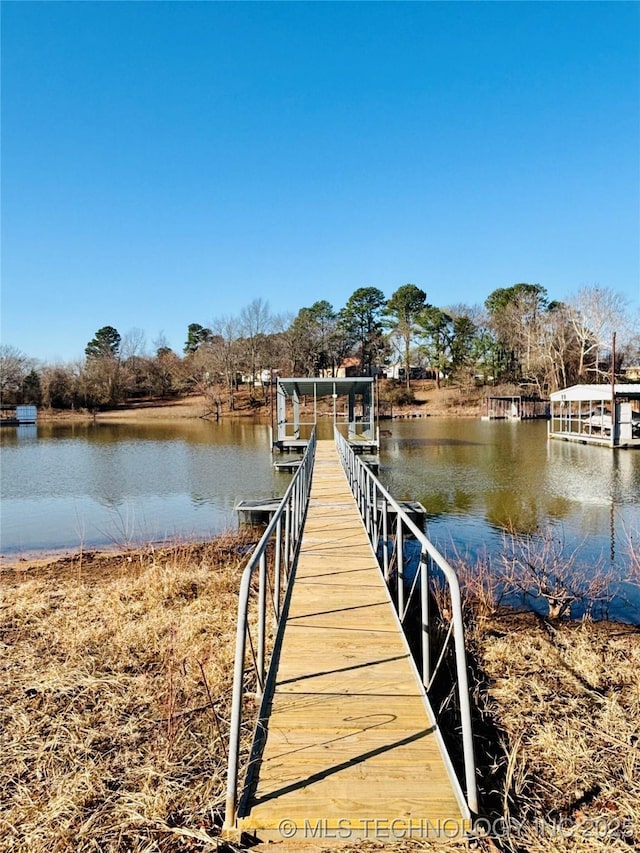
column 539, row 569
column 537, row 572
column 632, row 538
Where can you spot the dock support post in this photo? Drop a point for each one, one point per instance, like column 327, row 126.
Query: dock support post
column 296, row 414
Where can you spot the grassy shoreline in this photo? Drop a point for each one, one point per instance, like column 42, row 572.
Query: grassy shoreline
column 117, row 675
column 116, row 684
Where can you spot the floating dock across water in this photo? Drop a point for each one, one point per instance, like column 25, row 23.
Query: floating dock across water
column 347, row 744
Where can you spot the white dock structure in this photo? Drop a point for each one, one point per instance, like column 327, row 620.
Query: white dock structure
column 353, row 405
column 607, row 415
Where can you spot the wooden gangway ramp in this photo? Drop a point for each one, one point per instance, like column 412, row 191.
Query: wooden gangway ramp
column 350, row 745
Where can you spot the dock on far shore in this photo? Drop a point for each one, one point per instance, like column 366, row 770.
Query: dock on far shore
column 18, row 415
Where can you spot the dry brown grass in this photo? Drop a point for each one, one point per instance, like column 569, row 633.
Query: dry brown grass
column 115, row 702
column 116, row 680
column 566, row 699
column 449, row 401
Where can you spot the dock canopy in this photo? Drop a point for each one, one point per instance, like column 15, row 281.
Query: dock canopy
column 353, row 405
column 598, row 414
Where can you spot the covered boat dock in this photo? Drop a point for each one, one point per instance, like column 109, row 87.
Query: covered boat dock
column 352, row 409
column 18, row 415
column 607, row 415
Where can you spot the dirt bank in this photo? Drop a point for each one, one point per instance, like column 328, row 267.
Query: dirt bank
column 429, row 401
column 147, row 410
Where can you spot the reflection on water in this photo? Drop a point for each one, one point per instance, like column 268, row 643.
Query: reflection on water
column 100, row 484
column 508, row 471
column 479, row 479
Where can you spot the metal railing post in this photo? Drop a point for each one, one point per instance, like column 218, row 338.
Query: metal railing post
column 231, row 806
column 385, row 540
column 277, row 571
column 463, row 698
column 371, row 497
column 262, row 623
column 375, row 530
column 400, row 564
column 287, row 538
column 424, row 617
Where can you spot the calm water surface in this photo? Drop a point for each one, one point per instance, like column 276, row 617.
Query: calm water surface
column 113, row 484
column 108, row 484
column 477, row 478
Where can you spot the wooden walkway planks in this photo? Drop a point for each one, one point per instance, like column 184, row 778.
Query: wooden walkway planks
column 351, row 748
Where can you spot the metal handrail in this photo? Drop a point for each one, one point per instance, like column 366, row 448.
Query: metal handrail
column 284, row 533
column 374, row 503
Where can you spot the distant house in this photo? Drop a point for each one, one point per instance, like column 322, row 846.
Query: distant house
column 632, row 373
column 392, row 371
column 416, row 371
column 349, row 367
column 267, row 376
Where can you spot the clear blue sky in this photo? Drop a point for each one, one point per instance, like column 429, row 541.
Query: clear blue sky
column 165, row 163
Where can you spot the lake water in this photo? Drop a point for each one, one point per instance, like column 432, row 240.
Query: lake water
column 102, row 485
column 477, row 478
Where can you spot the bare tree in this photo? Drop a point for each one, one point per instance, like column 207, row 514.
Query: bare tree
column 133, row 344
column 226, row 354
column 255, row 324
column 167, row 371
column 137, row 367
column 596, row 313
column 284, row 331
column 14, row 366
column 557, row 349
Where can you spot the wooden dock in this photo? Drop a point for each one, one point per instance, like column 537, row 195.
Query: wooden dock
column 349, row 748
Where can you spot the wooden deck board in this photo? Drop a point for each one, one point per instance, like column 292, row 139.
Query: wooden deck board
column 350, row 736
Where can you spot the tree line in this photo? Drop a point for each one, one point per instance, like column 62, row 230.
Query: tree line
column 518, row 336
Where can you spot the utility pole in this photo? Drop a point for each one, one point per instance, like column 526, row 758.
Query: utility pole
column 614, row 414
